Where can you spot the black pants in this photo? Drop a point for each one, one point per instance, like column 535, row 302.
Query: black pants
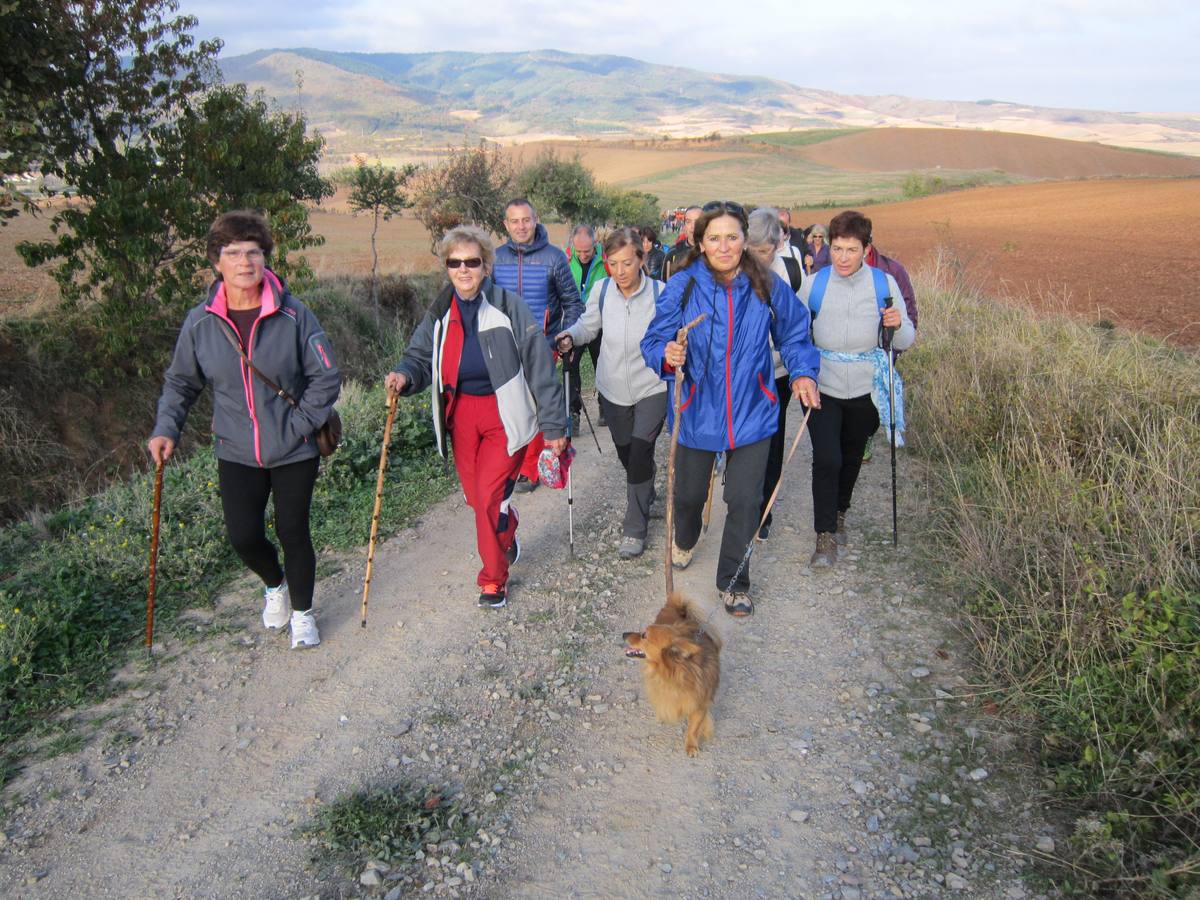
column 839, row 431
column 775, row 455
column 634, row 430
column 244, row 492
column 744, row 470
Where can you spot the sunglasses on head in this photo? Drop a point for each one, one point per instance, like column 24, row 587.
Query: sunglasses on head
column 473, row 263
column 725, row 206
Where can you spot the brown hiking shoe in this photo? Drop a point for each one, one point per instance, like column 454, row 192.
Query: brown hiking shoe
column 840, row 534
column 681, row 558
column 826, row 553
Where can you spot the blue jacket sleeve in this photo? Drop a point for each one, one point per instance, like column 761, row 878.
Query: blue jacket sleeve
column 791, row 333
column 668, row 319
column 562, row 283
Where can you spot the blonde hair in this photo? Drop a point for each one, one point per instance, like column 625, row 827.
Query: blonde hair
column 467, row 234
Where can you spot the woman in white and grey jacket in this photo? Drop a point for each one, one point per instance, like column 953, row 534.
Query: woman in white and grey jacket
column 633, row 398
column 848, row 305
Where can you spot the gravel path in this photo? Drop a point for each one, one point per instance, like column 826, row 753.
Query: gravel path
column 851, row 758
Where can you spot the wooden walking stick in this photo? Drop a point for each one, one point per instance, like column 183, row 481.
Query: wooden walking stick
column 712, row 482
column 387, row 436
column 680, row 338
column 158, row 477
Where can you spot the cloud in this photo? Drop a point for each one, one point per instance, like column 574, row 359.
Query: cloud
column 1093, row 53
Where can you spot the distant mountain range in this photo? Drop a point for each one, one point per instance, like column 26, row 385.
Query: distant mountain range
column 428, row 99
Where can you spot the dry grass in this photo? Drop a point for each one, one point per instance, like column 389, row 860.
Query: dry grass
column 1068, row 467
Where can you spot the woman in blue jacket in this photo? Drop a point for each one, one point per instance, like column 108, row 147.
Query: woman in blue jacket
column 729, row 401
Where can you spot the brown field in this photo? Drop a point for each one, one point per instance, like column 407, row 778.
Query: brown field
column 627, row 162
column 906, row 149
column 1123, row 250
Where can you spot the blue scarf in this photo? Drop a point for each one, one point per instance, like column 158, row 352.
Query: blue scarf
column 879, row 386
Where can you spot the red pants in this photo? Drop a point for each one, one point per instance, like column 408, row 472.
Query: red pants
column 532, row 451
column 487, row 472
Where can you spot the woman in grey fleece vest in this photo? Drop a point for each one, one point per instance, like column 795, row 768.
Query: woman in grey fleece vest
column 847, row 329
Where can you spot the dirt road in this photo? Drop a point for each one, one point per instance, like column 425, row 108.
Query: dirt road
column 850, row 757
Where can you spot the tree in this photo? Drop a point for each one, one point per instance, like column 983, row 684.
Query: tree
column 376, row 190
column 563, row 188
column 156, row 152
column 636, row 208
column 470, row 186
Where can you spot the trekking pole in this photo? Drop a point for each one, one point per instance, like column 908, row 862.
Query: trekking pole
column 158, row 478
column 888, row 334
column 387, row 436
column 570, row 485
column 591, row 427
column 681, row 338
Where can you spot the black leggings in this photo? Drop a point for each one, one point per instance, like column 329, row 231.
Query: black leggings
column 244, row 492
column 783, row 390
column 744, row 468
column 839, row 432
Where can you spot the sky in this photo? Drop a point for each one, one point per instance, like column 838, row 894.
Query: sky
column 1114, row 55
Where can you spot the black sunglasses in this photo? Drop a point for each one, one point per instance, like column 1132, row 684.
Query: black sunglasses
column 724, row 206
column 473, row 263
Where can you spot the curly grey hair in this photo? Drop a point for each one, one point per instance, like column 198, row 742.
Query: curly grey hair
column 764, row 227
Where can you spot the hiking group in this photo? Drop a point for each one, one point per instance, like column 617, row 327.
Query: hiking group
column 776, row 314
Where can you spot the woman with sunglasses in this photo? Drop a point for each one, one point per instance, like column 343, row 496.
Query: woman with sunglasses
column 264, row 446
column 729, row 400
column 817, row 256
column 494, row 388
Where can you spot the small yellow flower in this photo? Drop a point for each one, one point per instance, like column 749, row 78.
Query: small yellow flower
column 16, row 610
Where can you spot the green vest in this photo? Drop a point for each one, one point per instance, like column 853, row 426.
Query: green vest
column 595, row 273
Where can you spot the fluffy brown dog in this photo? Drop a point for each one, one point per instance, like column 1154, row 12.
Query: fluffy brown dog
column 683, row 668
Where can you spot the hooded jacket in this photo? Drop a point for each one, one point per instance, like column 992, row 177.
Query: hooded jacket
column 520, row 367
column 251, row 424
column 729, row 380
column 597, row 270
column 540, row 274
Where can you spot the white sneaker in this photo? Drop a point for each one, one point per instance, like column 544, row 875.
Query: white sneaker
column 304, row 630
column 277, row 606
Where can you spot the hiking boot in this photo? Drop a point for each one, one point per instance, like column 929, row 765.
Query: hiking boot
column 867, row 450
column 680, row 558
column 524, row 485
column 304, row 629
column 514, row 552
column 842, row 538
column 631, row 547
column 737, row 603
column 492, row 597
column 277, row 606
column 826, row 553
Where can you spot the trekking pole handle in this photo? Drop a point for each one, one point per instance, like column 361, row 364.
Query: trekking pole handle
column 887, row 331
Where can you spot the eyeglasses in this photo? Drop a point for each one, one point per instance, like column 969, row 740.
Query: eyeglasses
column 727, row 206
column 254, row 255
column 473, row 263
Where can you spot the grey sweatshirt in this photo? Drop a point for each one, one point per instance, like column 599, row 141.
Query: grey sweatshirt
column 622, row 375
column 848, row 322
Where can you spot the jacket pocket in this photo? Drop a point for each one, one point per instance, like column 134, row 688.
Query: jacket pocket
column 762, row 386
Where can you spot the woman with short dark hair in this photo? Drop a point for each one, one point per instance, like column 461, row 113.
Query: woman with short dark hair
column 265, row 447
column 729, row 404
column 848, row 305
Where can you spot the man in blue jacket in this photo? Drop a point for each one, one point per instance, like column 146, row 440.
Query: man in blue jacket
column 531, row 266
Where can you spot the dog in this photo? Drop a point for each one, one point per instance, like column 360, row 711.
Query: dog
column 682, row 668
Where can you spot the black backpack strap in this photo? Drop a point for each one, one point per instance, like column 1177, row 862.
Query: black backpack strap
column 795, row 274
column 687, row 294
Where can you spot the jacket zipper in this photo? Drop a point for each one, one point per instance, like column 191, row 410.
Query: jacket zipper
column 728, row 364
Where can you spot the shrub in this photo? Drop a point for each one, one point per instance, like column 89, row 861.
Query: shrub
column 1067, row 468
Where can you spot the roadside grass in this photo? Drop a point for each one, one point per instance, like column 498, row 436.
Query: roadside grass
column 73, row 582
column 1066, row 467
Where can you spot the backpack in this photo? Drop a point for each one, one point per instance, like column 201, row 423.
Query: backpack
column 604, row 290
column 820, row 282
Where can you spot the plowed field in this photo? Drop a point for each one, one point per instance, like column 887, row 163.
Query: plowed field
column 1122, row 250
column 905, row 149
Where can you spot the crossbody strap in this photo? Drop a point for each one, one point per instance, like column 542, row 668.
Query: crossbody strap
column 237, row 345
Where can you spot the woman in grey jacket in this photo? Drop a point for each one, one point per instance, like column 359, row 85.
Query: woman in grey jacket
column 264, row 446
column 493, row 388
column 633, row 399
column 848, row 305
